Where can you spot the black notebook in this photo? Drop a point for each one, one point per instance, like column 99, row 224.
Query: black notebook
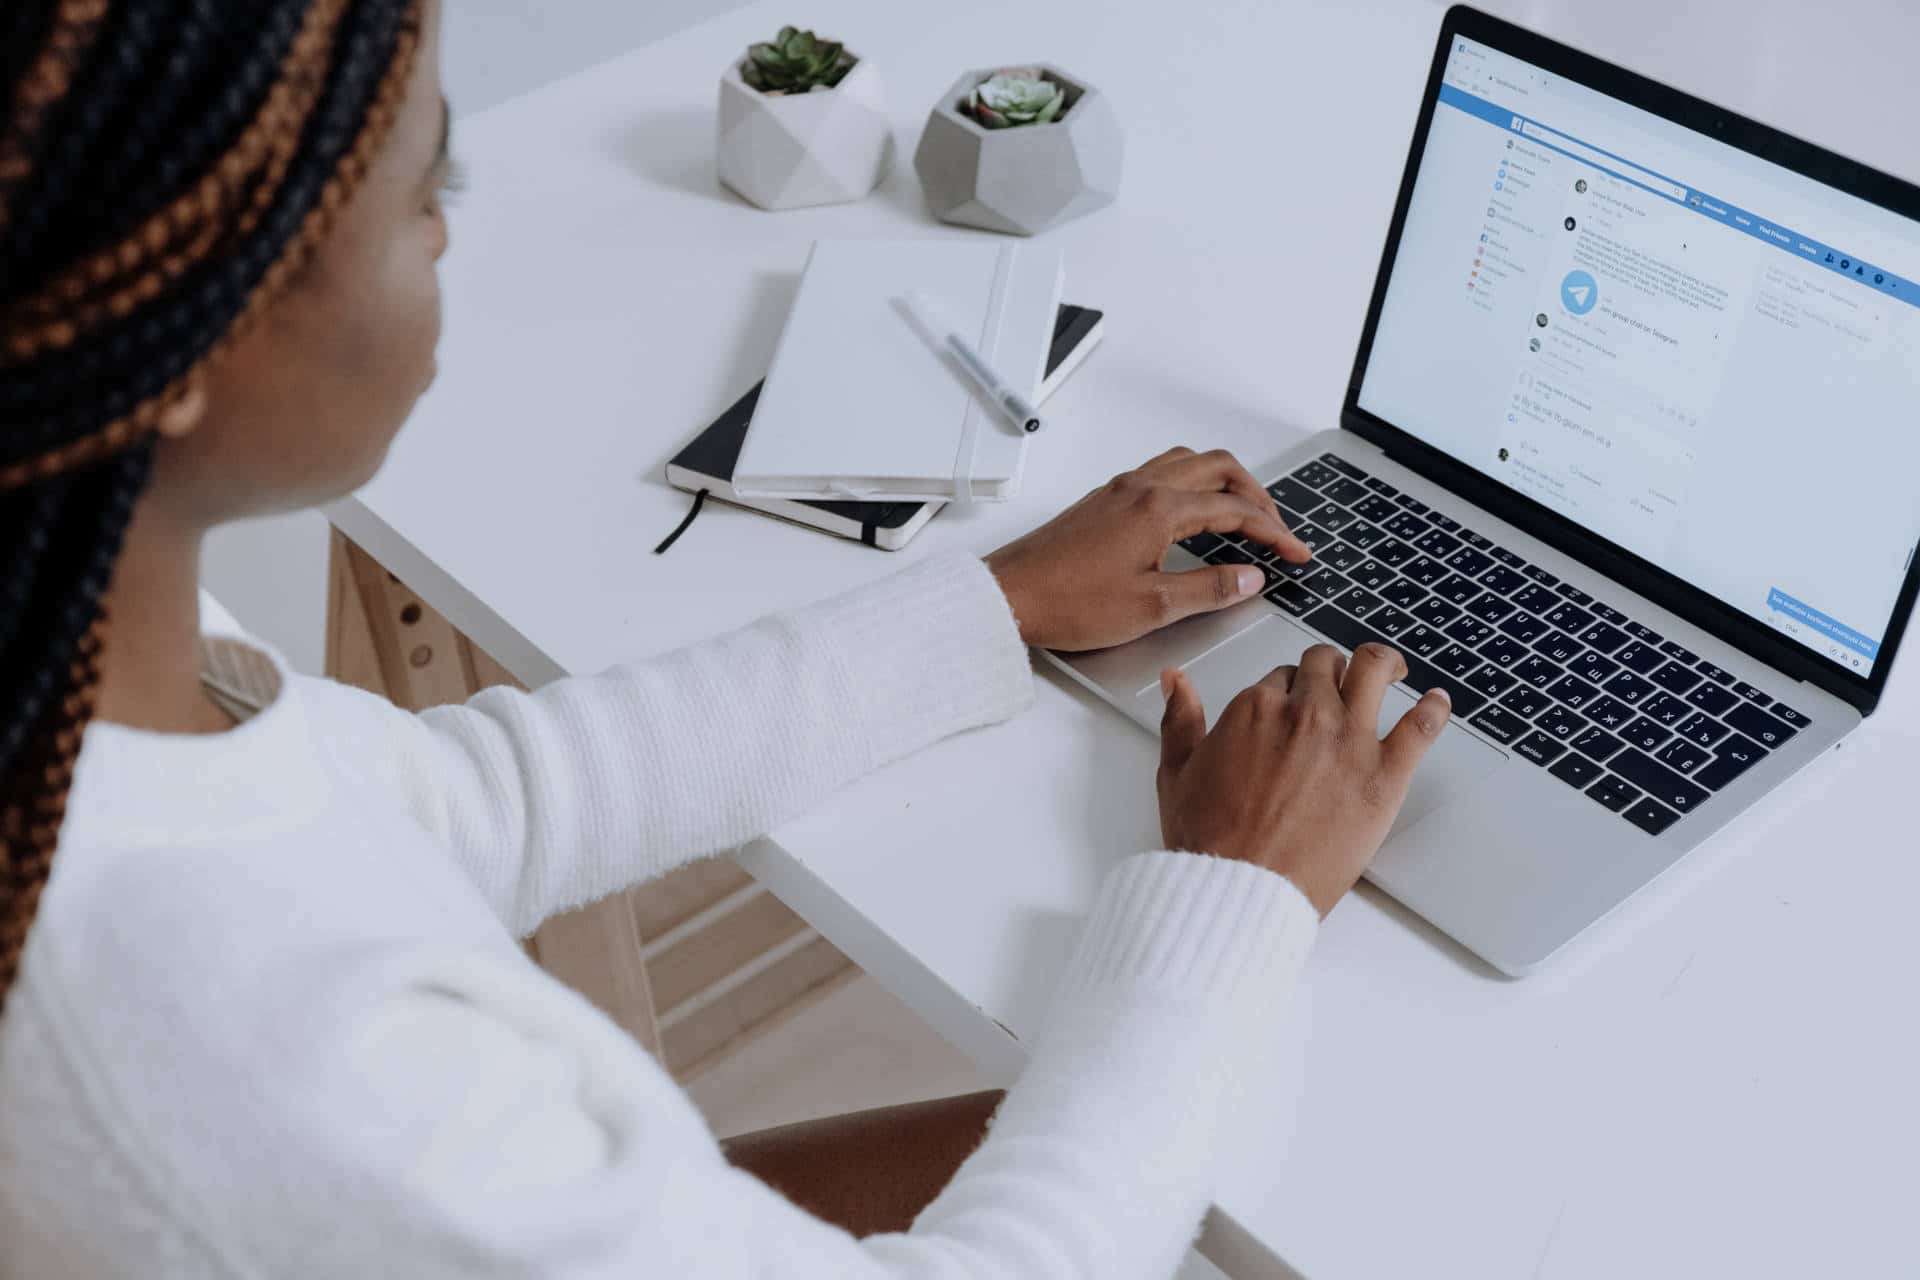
column 706, row 465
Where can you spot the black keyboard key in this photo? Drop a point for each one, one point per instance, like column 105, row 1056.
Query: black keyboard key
column 1421, row 640
column 1535, row 598
column 1682, row 756
column 1537, row 671
column 1436, row 611
column 1558, row 646
column 1503, row 580
column 1458, row 589
column 1371, row 574
column 1575, row 770
column 1393, row 552
column 1540, row 575
column 1470, row 562
column 1406, row 525
column 1608, row 613
column 1426, row 571
column 1403, row 593
column 1326, row 583
column 1332, row 517
column 1456, row 660
column 1448, row 523
column 1641, row 631
column 1503, row 651
column 1201, row 543
column 1346, row 492
column 1741, row 749
column 1569, row 617
column 1344, row 467
column 1646, row 734
column 1702, row 729
column 1391, row 622
column 1273, row 575
column 1675, row 678
column 1524, row 627
column 1641, row 657
column 1341, row 555
column 1572, row 691
column 1752, row 694
column 1560, row 722
column 1365, row 536
column 1573, row 593
column 1412, row 504
column 1650, row 817
column 1311, row 534
column 1475, row 540
column 1603, row 638
column 1658, row 781
column 1525, row 701
column 1665, row 709
column 1627, row 687
column 1374, row 507
column 1381, row 487
column 1421, row 675
column 1228, row 553
column 1720, row 772
column 1490, row 680
column 1293, row 598
column 1315, row 475
column 1359, row 602
column 1596, row 743
column 1716, row 674
column 1591, row 666
column 1502, row 726
column 1491, row 608
column 1437, row 543
column 1712, row 699
column 1612, row 793
column 1291, row 493
column 1507, row 558
column 1539, row 748
column 1469, row 631
column 1793, row 718
column 1608, row 712
column 1759, row 725
column 1679, row 651
column 1287, row 568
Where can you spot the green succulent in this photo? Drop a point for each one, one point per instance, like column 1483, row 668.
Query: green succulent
column 796, row 61
column 1016, row 96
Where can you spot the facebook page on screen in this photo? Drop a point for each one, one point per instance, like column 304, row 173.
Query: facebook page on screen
column 1704, row 357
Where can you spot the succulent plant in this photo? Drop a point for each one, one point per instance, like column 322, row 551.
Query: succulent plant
column 1016, row 96
column 796, row 61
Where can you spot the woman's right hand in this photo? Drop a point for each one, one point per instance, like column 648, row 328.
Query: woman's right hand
column 1292, row 778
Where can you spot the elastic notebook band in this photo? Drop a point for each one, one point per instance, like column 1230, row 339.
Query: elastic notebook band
column 699, row 501
column 963, row 456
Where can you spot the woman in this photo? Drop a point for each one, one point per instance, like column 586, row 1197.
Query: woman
column 264, row 1013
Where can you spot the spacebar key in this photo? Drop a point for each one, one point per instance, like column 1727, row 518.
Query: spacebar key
column 1349, row 632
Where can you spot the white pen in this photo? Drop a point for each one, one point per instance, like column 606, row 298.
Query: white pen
column 943, row 336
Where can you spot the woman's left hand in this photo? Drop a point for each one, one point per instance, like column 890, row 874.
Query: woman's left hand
column 1091, row 577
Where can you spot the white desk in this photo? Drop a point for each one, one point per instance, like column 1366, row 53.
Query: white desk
column 1717, row 1083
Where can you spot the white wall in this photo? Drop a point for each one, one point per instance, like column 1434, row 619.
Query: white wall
column 272, row 573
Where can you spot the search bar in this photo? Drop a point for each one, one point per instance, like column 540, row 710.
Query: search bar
column 1601, row 160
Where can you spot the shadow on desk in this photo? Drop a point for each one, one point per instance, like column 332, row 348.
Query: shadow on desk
column 674, row 149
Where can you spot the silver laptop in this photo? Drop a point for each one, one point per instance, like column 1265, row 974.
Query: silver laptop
column 1629, row 464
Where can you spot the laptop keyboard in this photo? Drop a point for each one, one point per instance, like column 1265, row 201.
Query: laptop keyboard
column 1608, row 706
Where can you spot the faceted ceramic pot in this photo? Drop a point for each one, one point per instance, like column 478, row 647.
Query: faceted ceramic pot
column 789, row 151
column 1026, row 178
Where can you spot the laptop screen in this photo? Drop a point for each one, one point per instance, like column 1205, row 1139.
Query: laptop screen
column 1703, row 357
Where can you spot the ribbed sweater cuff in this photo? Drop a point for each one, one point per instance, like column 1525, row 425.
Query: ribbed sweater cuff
column 1195, row 928
column 931, row 651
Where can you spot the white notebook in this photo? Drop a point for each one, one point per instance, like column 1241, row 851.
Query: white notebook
column 858, row 406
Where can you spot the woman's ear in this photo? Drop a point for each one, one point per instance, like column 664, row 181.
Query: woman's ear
column 185, row 414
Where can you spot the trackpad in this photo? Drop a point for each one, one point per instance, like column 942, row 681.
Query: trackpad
column 1455, row 764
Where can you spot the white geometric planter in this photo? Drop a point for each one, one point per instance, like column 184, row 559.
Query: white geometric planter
column 1025, row 179
column 789, row 151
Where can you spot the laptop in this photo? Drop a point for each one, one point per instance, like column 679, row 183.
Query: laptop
column 1627, row 464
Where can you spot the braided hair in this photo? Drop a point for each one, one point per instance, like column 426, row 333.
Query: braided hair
column 165, row 171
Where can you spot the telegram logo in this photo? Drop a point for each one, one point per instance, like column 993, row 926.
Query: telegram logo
column 1578, row 292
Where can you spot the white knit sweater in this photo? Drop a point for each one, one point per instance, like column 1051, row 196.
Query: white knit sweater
column 272, row 1020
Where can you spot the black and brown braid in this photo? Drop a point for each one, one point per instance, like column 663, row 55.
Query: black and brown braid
column 166, row 167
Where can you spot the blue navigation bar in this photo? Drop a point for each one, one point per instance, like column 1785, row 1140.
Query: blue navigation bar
column 1780, row 602
column 1784, row 238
